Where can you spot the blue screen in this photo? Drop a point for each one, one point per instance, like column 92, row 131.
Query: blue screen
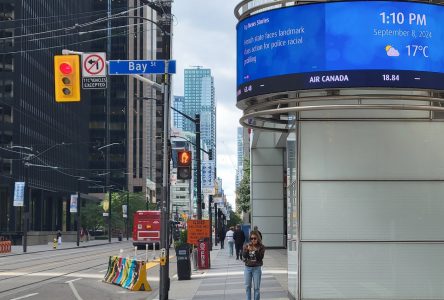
column 343, row 36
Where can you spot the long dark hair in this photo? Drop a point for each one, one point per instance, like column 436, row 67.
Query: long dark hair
column 258, row 237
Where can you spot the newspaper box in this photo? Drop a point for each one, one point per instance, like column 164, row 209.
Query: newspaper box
column 203, row 253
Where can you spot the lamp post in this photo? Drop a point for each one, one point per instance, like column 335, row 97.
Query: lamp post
column 107, row 185
column 78, row 212
column 26, row 208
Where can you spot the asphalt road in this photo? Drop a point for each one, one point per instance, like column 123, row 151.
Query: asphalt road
column 73, row 274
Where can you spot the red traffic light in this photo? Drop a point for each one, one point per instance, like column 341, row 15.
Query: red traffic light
column 65, row 68
column 184, row 158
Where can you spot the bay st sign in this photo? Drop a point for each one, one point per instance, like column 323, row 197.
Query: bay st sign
column 131, row 67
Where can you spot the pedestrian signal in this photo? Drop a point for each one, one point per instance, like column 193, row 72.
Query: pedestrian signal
column 184, row 164
column 67, row 78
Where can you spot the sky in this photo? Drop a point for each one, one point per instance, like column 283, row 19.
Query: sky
column 205, row 35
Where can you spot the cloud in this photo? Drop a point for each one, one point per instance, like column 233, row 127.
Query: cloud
column 392, row 52
column 204, row 34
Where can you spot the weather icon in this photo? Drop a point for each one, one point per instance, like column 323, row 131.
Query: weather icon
column 391, row 51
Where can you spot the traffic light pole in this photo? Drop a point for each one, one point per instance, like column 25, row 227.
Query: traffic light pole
column 108, row 122
column 199, row 169
column 196, row 122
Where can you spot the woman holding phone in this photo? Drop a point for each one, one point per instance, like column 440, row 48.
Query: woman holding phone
column 253, row 254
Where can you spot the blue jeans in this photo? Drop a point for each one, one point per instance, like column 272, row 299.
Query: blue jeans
column 230, row 246
column 254, row 273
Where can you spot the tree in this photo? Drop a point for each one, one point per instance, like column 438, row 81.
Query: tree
column 92, row 214
column 243, row 191
column 234, row 217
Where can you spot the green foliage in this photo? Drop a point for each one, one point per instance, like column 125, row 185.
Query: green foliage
column 243, row 191
column 182, row 239
column 234, row 219
column 92, row 214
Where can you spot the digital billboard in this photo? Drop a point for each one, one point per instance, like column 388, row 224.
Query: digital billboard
column 341, row 45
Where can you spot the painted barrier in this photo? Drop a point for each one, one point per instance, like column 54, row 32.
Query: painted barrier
column 5, row 246
column 127, row 273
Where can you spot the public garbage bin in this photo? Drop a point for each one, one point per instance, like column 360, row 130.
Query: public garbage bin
column 183, row 262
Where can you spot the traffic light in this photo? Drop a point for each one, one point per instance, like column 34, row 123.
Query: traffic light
column 210, row 154
column 67, row 78
column 184, row 164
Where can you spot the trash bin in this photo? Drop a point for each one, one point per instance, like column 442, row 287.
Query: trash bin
column 183, row 262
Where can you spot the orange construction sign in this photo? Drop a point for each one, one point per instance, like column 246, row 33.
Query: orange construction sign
column 197, row 229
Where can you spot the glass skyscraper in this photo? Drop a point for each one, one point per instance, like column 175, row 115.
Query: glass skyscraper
column 178, row 118
column 200, row 99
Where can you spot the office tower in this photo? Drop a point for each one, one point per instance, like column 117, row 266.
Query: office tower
column 48, row 139
column 178, row 118
column 200, row 99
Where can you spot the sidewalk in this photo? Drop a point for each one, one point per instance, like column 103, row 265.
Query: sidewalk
column 225, row 279
column 15, row 250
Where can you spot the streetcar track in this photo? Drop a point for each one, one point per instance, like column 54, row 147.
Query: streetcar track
column 57, row 256
column 46, row 279
column 79, row 257
column 91, row 258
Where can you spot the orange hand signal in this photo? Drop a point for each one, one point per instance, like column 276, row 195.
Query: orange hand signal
column 185, row 158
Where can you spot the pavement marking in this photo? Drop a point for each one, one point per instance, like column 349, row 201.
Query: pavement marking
column 103, row 271
column 76, row 275
column 26, row 296
column 73, row 280
column 74, row 290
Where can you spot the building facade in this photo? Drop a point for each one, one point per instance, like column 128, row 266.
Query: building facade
column 48, row 139
column 178, row 103
column 199, row 94
column 345, row 173
column 240, row 155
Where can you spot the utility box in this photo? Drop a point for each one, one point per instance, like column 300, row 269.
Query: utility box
column 183, row 262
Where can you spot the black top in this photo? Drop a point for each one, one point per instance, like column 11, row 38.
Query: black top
column 253, row 258
column 239, row 237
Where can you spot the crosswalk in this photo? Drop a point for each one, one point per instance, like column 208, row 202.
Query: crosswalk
column 225, row 281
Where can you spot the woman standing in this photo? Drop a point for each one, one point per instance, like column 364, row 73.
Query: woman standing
column 253, row 254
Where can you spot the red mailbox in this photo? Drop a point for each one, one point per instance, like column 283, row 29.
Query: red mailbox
column 203, row 254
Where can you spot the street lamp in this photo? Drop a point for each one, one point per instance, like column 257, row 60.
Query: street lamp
column 107, row 183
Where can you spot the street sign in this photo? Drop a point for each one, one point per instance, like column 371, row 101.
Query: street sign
column 93, row 64
column 132, row 67
column 94, row 83
column 19, row 193
column 197, row 229
column 94, row 70
column 208, row 175
column 73, row 204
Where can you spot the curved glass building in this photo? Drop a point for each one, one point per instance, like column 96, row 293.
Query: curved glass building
column 347, row 168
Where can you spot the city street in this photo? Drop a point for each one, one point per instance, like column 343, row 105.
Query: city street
column 75, row 273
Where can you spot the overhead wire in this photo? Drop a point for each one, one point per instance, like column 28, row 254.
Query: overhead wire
column 75, row 43
column 75, row 26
